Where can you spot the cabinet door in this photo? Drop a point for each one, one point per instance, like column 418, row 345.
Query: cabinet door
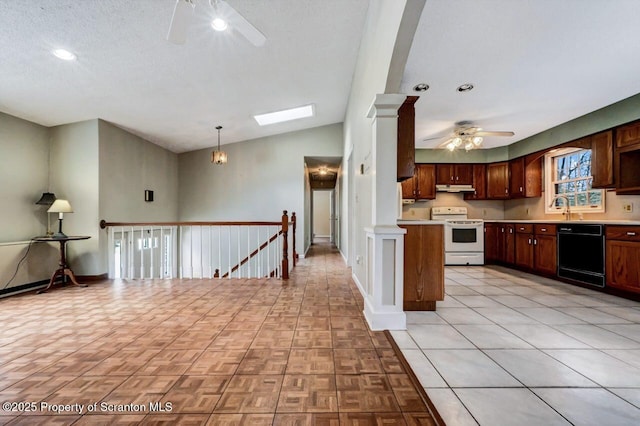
column 510, row 244
column 479, row 183
column 406, row 139
column 490, row 242
column 628, row 135
column 423, row 267
column 516, row 178
column 445, row 174
column 498, row 181
column 425, row 186
column 545, row 254
column 463, row 174
column 602, row 159
column 524, row 250
column 409, row 188
column 623, row 264
column 533, row 175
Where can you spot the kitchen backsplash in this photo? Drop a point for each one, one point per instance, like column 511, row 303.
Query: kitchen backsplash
column 520, row 209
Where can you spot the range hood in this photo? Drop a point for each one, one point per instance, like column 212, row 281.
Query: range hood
column 454, row 188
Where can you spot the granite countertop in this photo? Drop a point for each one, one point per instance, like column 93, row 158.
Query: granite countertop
column 420, row 222
column 560, row 222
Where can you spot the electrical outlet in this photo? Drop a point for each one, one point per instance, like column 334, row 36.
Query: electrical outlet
column 358, row 259
column 627, row 207
column 527, row 212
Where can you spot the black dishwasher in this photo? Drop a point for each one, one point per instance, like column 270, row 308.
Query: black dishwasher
column 581, row 253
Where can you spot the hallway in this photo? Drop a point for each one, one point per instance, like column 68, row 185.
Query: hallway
column 217, row 352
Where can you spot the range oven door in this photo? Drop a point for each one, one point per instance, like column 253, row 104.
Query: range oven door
column 463, row 236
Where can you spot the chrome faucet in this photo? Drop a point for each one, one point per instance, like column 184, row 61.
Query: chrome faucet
column 567, row 208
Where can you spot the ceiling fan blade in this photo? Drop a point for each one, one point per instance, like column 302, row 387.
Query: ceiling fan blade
column 448, row 135
column 240, row 24
column 496, row 133
column 182, row 14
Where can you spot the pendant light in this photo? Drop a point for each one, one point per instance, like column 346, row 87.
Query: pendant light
column 217, row 156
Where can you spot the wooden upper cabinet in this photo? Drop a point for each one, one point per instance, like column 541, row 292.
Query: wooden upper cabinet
column 627, row 158
column 602, row 159
column 498, row 180
column 628, row 135
column 533, row 175
column 479, row 183
column 409, row 188
column 421, row 186
column 516, row 178
column 454, row 174
column 425, row 181
column 407, row 139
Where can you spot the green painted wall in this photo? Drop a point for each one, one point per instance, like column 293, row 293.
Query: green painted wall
column 605, row 118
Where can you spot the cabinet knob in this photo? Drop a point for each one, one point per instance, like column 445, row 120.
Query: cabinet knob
column 535, row 242
column 529, row 241
column 522, row 228
column 543, row 229
column 506, row 190
column 520, row 189
column 631, row 234
column 452, row 178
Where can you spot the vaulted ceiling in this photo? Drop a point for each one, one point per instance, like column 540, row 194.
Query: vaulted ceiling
column 533, row 64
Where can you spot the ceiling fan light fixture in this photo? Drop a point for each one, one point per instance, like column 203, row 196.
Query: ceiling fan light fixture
column 465, row 87
column 477, row 140
column 450, row 146
column 219, row 24
column 469, row 146
column 457, row 141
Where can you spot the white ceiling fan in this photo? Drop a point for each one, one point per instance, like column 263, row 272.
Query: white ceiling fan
column 224, row 17
column 466, row 135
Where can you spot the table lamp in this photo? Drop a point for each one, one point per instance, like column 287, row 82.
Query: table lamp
column 60, row 206
column 46, row 200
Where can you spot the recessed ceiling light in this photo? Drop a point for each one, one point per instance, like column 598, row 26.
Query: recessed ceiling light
column 285, row 115
column 422, row 87
column 465, row 87
column 219, row 24
column 64, row 54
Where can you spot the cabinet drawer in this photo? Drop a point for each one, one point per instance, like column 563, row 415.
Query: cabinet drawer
column 524, row 228
column 541, row 229
column 624, row 233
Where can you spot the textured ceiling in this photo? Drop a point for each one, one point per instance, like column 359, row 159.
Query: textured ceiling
column 534, row 64
column 174, row 95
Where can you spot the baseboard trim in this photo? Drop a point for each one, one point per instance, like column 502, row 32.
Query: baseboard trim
column 92, row 278
column 23, row 288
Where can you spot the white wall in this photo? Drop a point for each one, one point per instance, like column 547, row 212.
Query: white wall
column 321, row 213
column 262, row 178
column 128, row 166
column 74, row 177
column 371, row 77
column 24, row 168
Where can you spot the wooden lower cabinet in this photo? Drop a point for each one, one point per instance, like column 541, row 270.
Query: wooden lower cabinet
column 545, row 249
column 524, row 246
column 423, row 267
column 491, row 248
column 499, row 243
column 622, row 257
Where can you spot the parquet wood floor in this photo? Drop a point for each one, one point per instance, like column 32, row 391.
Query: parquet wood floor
column 215, row 352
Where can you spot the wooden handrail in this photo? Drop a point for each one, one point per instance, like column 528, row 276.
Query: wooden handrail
column 104, row 224
column 252, row 254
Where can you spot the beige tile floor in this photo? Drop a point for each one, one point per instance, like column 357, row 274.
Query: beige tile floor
column 229, row 352
column 509, row 348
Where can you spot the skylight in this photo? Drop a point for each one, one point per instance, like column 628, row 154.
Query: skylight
column 285, row 115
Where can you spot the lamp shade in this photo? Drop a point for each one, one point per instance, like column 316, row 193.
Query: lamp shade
column 60, row 206
column 47, row 199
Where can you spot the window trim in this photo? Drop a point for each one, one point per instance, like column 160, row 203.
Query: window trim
column 550, row 172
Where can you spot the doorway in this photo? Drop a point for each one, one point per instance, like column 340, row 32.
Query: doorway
column 322, row 214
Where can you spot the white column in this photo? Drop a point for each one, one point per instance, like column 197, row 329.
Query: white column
column 383, row 306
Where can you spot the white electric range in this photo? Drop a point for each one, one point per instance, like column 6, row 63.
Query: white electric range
column 463, row 237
